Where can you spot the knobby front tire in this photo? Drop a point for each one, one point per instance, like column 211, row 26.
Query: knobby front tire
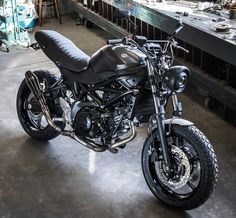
column 207, row 175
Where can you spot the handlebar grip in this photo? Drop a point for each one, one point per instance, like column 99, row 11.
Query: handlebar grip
column 114, row 41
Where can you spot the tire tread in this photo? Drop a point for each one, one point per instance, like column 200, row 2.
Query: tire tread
column 210, row 162
column 49, row 132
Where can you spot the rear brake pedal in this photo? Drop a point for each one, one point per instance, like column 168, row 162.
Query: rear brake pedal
column 122, row 146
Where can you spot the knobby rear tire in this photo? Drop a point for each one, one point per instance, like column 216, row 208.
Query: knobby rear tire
column 48, row 132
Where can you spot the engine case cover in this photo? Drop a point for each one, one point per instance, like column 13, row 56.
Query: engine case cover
column 83, row 123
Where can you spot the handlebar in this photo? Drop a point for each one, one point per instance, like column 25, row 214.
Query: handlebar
column 170, row 42
column 157, row 41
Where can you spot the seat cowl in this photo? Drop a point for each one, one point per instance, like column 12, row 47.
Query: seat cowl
column 62, row 51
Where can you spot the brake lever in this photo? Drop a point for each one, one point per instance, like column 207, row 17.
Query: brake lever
column 181, row 48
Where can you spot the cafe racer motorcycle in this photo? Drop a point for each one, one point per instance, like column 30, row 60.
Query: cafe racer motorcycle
column 100, row 100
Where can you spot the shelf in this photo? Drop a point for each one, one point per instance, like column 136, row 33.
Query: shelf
column 7, row 36
column 5, row 19
column 13, row 22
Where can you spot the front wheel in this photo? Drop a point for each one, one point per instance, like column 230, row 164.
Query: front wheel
column 194, row 168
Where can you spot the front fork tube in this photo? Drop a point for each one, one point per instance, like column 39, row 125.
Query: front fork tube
column 177, row 106
column 160, row 112
column 162, row 136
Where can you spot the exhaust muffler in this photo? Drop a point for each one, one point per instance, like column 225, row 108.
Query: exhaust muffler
column 33, row 83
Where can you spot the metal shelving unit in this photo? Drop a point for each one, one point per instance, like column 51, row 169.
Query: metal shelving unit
column 10, row 30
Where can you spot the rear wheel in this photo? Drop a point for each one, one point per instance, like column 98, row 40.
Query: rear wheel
column 194, row 168
column 33, row 121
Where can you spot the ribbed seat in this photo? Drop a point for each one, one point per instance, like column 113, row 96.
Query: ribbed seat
column 62, row 51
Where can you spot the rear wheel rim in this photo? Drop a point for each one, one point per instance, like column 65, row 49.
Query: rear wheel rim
column 37, row 120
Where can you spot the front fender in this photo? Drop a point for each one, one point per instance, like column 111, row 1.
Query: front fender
column 174, row 121
column 178, row 121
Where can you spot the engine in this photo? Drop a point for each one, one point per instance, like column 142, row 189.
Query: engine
column 88, row 123
column 104, row 124
column 102, row 116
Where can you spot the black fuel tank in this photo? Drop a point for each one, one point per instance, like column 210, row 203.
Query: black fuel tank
column 116, row 58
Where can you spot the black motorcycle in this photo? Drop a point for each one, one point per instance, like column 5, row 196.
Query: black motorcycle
column 100, row 100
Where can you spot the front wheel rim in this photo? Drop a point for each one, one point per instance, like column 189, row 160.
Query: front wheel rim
column 194, row 181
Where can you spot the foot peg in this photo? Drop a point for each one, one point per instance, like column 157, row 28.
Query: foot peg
column 113, row 150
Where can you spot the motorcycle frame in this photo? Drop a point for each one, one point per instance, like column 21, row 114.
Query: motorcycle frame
column 160, row 99
column 80, row 90
column 159, row 105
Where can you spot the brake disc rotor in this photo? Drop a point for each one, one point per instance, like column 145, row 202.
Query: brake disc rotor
column 185, row 165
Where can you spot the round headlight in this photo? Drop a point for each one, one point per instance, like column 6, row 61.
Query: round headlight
column 176, row 78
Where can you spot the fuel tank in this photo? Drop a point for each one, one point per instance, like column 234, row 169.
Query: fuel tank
column 122, row 63
column 116, row 58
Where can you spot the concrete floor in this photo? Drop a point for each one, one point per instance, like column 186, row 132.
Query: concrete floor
column 63, row 179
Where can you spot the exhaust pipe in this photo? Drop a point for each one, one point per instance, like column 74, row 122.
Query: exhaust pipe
column 98, row 148
column 126, row 140
column 90, row 145
column 33, row 84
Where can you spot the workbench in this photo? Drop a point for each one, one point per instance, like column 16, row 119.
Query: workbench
column 212, row 56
